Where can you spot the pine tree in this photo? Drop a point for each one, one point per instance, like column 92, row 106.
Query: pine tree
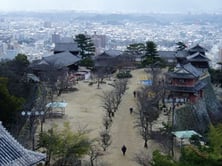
column 151, row 54
column 86, row 45
column 87, row 49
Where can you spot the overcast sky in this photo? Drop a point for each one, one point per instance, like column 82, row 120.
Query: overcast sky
column 145, row 6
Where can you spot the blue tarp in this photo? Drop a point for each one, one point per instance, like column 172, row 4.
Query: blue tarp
column 147, row 82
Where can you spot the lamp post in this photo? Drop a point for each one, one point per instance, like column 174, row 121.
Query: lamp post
column 32, row 115
column 173, row 120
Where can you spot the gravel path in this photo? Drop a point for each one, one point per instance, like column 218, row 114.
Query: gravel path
column 123, row 130
column 84, row 111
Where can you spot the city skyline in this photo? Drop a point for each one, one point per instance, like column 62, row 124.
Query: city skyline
column 132, row 6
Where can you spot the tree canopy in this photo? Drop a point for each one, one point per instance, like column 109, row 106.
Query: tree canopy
column 180, row 46
column 87, row 49
column 151, row 57
column 196, row 155
column 9, row 104
column 16, row 91
column 64, row 146
column 135, row 48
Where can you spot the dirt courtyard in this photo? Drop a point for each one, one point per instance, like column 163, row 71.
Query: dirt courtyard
column 84, row 111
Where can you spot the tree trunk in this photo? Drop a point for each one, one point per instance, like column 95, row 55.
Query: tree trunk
column 91, row 163
column 151, row 128
column 98, row 83
column 145, row 144
column 48, row 158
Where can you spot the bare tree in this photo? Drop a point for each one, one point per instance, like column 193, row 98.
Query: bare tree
column 112, row 99
column 120, row 86
column 164, row 137
column 155, row 73
column 94, row 153
column 148, row 99
column 107, row 98
column 107, row 122
column 99, row 74
column 105, row 140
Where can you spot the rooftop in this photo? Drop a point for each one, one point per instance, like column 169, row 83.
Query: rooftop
column 13, row 153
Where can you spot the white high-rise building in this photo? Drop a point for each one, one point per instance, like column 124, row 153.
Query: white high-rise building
column 55, row 38
column 99, row 42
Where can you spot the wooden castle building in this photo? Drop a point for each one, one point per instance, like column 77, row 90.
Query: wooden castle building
column 185, row 81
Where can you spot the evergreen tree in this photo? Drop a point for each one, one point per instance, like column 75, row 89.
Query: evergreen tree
column 135, row 48
column 162, row 160
column 87, row 49
column 9, row 104
column 65, row 147
column 180, row 46
column 151, row 54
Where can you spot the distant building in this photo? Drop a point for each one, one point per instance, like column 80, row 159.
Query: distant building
column 168, row 56
column 195, row 55
column 9, row 55
column 63, row 47
column 220, row 55
column 1, row 48
column 107, row 60
column 99, row 42
column 47, row 24
column 55, row 38
column 58, row 61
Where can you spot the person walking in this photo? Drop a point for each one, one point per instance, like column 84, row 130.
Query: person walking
column 134, row 94
column 124, row 149
column 131, row 110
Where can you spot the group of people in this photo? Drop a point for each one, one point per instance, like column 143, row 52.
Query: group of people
column 131, row 108
column 124, row 148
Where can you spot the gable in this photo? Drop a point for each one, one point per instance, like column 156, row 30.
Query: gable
column 197, row 56
column 192, row 70
column 197, row 48
column 188, row 69
column 182, row 71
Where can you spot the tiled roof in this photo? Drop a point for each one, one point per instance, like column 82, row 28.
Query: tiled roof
column 190, row 68
column 200, row 85
column 181, row 54
column 197, row 48
column 185, row 71
column 180, row 75
column 66, row 47
column 197, row 57
column 167, row 54
column 62, row 59
column 111, row 53
column 14, row 154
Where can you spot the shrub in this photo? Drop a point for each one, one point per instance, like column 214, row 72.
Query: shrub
column 125, row 74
